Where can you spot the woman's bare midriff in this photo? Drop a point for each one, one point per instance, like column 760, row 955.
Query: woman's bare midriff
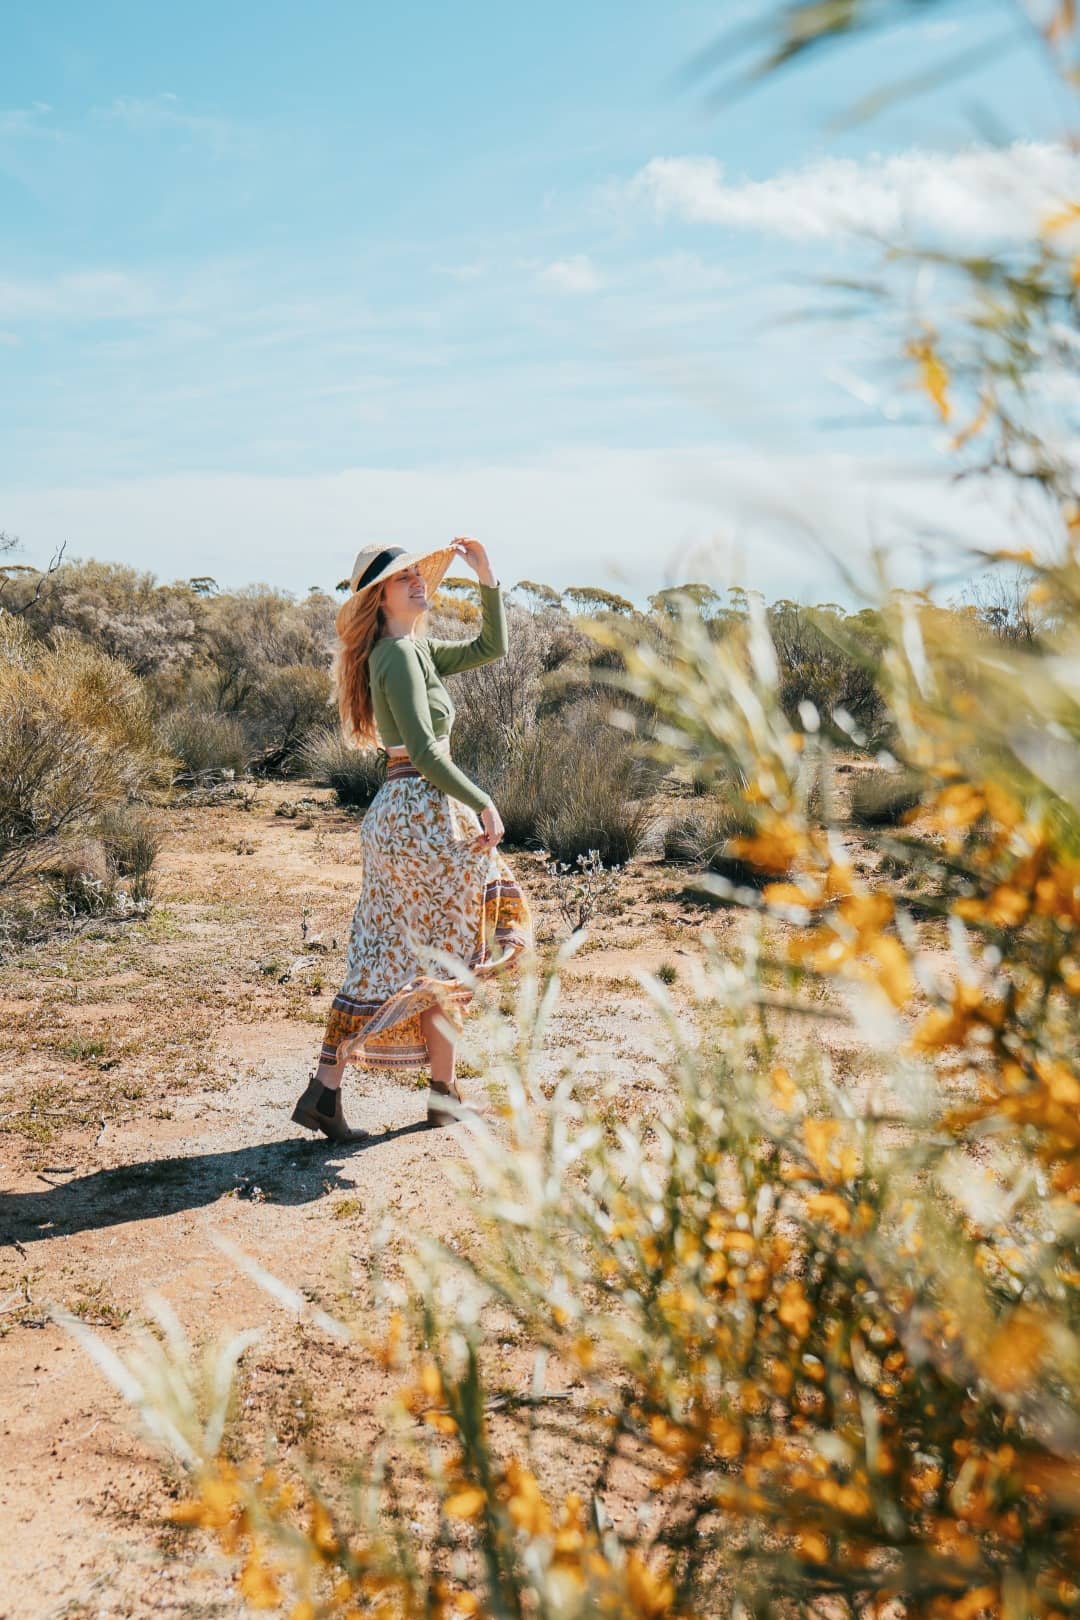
column 399, row 751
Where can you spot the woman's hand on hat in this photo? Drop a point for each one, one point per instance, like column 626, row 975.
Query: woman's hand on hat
column 473, row 553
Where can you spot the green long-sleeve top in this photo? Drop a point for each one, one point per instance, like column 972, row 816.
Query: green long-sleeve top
column 413, row 707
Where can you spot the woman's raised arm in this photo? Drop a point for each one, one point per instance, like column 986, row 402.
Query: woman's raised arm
column 451, row 657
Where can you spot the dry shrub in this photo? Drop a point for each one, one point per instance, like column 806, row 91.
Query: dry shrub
column 884, row 798
column 205, row 743
column 132, row 841
column 255, row 656
column 77, row 735
column 80, row 881
column 499, row 702
column 288, row 705
column 706, row 836
column 355, row 774
column 153, row 629
column 574, row 783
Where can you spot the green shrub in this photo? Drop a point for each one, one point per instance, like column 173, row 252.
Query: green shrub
column 831, row 660
column 255, row 633
column 355, row 774
column 883, row 798
column 282, row 712
column 206, row 743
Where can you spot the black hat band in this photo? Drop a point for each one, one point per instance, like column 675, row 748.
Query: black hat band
column 376, row 565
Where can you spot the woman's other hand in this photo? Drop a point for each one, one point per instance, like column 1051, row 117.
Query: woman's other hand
column 492, row 823
column 473, row 553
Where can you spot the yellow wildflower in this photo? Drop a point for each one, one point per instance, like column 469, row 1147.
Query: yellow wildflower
column 650, row 1592
column 794, row 1310
column 811, row 1544
column 525, row 1505
column 818, row 1136
column 831, row 1208
column 258, row 1583
column 783, row 1087
column 1012, row 1358
column 967, row 1010
column 465, row 1503
column 933, row 373
column 321, row 1531
column 893, row 969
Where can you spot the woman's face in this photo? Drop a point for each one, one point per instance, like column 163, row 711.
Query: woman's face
column 404, row 594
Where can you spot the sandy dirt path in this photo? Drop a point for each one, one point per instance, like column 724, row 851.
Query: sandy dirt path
column 178, row 1037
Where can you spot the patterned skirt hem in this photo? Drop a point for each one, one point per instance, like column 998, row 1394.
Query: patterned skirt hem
column 386, row 1034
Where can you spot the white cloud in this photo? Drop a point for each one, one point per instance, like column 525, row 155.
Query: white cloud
column 972, row 198
column 474, row 271
column 28, row 123
column 633, row 520
column 574, row 275
column 84, row 295
column 684, row 273
column 153, row 114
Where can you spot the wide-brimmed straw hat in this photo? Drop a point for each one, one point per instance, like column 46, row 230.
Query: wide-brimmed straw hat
column 375, row 563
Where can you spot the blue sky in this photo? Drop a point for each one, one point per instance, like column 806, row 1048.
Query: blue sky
column 278, row 280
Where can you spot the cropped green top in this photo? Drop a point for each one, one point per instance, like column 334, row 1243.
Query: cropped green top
column 413, row 707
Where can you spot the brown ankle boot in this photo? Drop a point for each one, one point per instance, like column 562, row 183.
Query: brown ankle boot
column 446, row 1116
column 319, row 1109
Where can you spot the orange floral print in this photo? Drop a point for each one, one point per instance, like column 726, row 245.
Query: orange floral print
column 422, row 888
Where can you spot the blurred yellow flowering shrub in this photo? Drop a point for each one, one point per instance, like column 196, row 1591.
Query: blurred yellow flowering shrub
column 824, row 1333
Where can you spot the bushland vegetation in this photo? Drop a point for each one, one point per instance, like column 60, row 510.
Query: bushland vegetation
column 208, row 686
column 825, row 1327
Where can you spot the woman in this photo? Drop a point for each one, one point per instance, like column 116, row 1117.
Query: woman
column 432, row 875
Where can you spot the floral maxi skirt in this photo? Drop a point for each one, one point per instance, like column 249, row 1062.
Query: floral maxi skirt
column 422, row 888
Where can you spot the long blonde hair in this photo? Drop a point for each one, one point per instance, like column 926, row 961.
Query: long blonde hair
column 360, row 623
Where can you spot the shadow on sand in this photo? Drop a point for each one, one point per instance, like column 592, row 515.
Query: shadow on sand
column 294, row 1171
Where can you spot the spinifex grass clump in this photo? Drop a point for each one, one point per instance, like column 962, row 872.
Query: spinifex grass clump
column 885, row 798
column 205, row 744
column 80, row 882
column 574, row 783
column 355, row 774
column 132, row 843
column 706, row 834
